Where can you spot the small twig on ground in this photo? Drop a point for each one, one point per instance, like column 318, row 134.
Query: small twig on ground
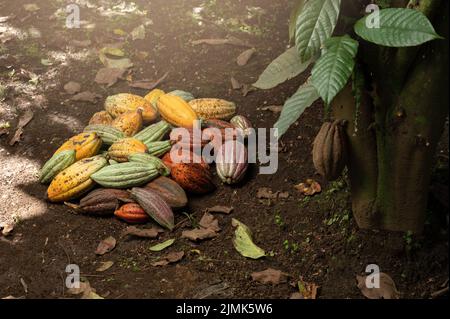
column 65, row 251
column 105, row 275
column 439, row 293
column 183, row 221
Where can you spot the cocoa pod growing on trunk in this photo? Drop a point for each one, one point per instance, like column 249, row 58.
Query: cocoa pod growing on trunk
column 330, row 150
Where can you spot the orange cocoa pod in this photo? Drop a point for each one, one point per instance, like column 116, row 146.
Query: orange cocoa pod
column 132, row 213
column 193, row 178
column 192, row 158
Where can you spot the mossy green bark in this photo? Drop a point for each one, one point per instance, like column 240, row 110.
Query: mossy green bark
column 391, row 156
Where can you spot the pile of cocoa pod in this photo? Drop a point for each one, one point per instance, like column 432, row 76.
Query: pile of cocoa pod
column 120, row 165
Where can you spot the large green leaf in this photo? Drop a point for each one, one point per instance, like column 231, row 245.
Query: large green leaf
column 298, row 7
column 398, row 28
column 243, row 241
column 315, row 25
column 334, row 68
column 295, row 106
column 283, row 68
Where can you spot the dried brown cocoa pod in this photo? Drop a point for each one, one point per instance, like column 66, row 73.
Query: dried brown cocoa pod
column 330, row 150
column 103, row 201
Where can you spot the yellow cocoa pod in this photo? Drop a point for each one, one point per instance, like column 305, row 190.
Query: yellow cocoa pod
column 84, row 144
column 125, row 147
column 213, row 109
column 75, row 179
column 102, row 118
column 176, row 111
column 125, row 102
column 153, row 96
column 129, row 123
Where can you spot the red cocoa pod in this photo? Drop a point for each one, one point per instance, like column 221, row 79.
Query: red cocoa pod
column 193, row 178
column 170, row 191
column 103, row 201
column 155, row 206
column 190, row 158
column 232, row 162
column 132, row 213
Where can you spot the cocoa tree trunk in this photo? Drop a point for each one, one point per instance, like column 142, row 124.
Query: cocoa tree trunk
column 391, row 153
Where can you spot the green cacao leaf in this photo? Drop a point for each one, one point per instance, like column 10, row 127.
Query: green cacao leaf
column 398, row 27
column 298, row 7
column 283, row 68
column 332, row 71
column 295, row 106
column 243, row 241
column 163, row 245
column 315, row 24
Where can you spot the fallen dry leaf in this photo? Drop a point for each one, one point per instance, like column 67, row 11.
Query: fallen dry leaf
column 235, row 84
column 309, row 188
column 265, row 193
column 273, row 108
column 220, row 209
column 7, row 229
column 387, row 289
column 105, row 265
column 86, row 96
column 169, row 259
column 86, row 290
column 147, row 84
column 307, row 290
column 209, row 226
column 199, row 234
column 23, row 121
column 208, row 221
column 141, row 232
column 230, row 41
column 106, row 245
column 270, row 276
column 83, row 286
column 91, row 294
column 245, row 56
column 72, row 87
column 109, row 76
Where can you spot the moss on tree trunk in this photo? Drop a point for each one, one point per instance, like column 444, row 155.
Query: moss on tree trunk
column 391, row 154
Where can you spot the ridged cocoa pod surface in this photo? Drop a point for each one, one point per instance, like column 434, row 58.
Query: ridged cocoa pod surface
column 103, row 201
column 232, row 162
column 330, row 150
column 170, row 191
column 193, row 178
column 155, row 206
column 243, row 123
column 132, row 213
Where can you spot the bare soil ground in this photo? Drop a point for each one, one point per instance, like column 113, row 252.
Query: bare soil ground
column 314, row 238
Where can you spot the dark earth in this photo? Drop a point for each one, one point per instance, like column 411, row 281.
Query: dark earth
column 310, row 238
